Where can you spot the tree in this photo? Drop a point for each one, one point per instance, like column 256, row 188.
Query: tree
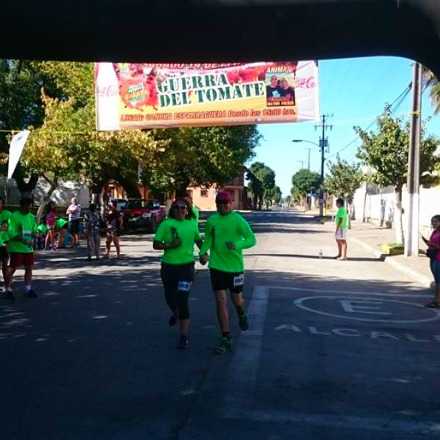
column 261, row 183
column 386, row 153
column 304, row 182
column 64, row 143
column 199, row 156
column 432, row 81
column 272, row 195
column 21, row 106
column 67, row 146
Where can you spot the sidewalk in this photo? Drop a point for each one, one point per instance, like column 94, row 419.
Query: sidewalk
column 371, row 236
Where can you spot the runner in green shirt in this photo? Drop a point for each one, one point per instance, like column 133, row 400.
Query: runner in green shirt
column 342, row 222
column 176, row 236
column 227, row 234
column 22, row 230
column 4, row 256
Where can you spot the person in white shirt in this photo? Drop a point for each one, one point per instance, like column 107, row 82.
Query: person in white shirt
column 74, row 213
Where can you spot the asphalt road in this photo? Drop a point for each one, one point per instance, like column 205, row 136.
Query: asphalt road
column 336, row 350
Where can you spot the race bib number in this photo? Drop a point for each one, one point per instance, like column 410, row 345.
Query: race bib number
column 238, row 280
column 184, row 286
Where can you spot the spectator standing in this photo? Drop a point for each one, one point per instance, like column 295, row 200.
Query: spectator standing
column 113, row 225
column 433, row 253
column 50, row 220
column 342, row 224
column 74, row 213
column 93, row 230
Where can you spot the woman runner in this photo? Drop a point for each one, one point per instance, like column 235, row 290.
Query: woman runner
column 176, row 236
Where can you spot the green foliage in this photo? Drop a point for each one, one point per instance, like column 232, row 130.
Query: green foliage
column 261, row 183
column 434, row 84
column 57, row 100
column 343, row 178
column 303, row 182
column 199, row 156
column 386, row 153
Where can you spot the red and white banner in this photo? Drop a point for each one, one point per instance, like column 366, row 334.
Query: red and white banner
column 175, row 95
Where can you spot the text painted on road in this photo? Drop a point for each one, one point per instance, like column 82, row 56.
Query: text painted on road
column 367, row 309
column 353, row 332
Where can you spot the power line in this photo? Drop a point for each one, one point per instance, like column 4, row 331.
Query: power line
column 392, row 109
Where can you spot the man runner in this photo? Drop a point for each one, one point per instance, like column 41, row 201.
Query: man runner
column 22, row 229
column 227, row 234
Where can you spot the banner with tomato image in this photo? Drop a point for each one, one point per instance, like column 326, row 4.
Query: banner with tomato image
column 174, row 95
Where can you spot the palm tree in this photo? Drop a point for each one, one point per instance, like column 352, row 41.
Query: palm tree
column 433, row 82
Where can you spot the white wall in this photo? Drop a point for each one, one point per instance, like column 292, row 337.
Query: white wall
column 381, row 202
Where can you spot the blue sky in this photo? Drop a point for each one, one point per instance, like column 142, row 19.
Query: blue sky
column 355, row 91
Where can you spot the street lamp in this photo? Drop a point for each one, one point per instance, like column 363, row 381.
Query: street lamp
column 322, row 145
column 308, row 142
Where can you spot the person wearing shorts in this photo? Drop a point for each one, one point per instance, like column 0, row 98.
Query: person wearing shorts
column 74, row 213
column 433, row 253
column 93, row 230
column 176, row 236
column 113, row 225
column 227, row 234
column 22, row 230
column 50, row 220
column 342, row 221
column 5, row 215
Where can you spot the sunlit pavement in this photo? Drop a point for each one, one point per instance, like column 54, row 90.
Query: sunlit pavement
column 336, row 349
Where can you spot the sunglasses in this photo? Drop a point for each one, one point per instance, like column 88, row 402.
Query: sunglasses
column 181, row 206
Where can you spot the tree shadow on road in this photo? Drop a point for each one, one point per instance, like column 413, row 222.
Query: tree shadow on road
column 95, row 352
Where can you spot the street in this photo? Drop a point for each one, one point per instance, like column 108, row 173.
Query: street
column 335, row 349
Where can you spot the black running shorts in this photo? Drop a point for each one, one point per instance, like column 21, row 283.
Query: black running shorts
column 233, row 281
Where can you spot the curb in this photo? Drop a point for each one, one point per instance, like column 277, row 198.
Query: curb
column 415, row 275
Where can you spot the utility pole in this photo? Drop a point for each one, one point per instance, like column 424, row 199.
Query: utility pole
column 323, row 145
column 412, row 222
column 302, row 163
column 308, row 158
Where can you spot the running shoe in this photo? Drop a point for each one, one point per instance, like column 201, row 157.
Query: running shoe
column 31, row 294
column 224, row 345
column 172, row 321
column 243, row 322
column 183, row 343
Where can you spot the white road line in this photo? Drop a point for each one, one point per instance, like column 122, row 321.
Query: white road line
column 348, row 292
column 245, row 362
column 382, row 424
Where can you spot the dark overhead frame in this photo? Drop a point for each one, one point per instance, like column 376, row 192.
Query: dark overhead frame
column 219, row 30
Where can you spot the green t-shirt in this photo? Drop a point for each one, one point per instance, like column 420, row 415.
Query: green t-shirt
column 342, row 214
column 187, row 231
column 5, row 215
column 60, row 223
column 220, row 229
column 196, row 212
column 4, row 237
column 21, row 227
column 42, row 228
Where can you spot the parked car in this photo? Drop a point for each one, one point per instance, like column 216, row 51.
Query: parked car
column 143, row 214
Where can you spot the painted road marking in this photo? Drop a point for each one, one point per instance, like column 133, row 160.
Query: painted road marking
column 349, row 292
column 300, row 302
column 383, row 424
column 245, row 362
column 353, row 332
